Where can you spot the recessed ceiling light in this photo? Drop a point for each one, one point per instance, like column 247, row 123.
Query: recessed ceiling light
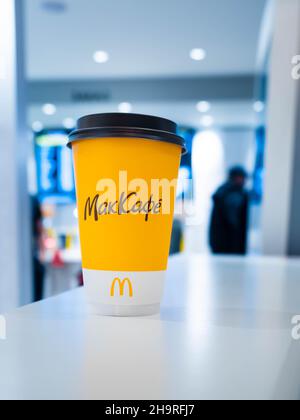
column 37, row 126
column 125, row 107
column 207, row 121
column 258, row 106
column 203, row 106
column 69, row 123
column 198, row 54
column 49, row 109
column 101, row 57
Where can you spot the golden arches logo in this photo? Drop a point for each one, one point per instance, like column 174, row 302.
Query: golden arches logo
column 122, row 284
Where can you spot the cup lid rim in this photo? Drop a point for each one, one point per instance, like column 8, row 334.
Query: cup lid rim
column 121, row 125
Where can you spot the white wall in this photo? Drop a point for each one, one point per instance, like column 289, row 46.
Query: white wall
column 239, row 148
column 282, row 129
column 15, row 270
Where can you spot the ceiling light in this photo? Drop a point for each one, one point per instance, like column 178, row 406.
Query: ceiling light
column 203, row 106
column 125, row 107
column 198, row 54
column 49, row 109
column 101, row 57
column 69, row 123
column 258, row 106
column 37, row 126
column 207, row 121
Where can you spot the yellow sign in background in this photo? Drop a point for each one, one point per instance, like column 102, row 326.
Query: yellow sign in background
column 124, row 242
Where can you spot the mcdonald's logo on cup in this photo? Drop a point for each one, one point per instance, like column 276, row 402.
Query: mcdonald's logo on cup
column 121, row 285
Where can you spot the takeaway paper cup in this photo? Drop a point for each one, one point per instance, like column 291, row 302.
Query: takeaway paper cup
column 126, row 169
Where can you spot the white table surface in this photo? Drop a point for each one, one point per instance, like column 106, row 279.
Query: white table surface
column 224, row 332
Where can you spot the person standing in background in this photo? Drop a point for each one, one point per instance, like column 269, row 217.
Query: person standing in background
column 37, row 246
column 229, row 221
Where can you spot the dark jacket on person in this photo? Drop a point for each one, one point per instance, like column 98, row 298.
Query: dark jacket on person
column 229, row 222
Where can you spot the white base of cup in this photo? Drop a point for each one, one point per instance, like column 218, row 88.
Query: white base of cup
column 125, row 311
column 124, row 294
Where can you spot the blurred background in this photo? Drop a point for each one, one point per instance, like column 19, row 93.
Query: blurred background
column 221, row 69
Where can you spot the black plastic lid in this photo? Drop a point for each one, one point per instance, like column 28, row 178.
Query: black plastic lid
column 126, row 125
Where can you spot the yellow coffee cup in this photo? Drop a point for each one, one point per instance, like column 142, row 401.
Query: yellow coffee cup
column 126, row 170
